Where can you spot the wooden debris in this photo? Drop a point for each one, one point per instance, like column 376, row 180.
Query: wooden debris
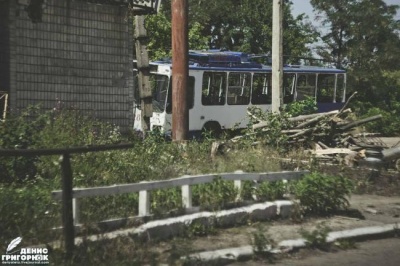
column 329, row 135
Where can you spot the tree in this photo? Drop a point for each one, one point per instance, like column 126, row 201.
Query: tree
column 364, row 38
column 241, row 25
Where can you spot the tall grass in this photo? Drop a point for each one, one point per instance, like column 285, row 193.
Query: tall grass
column 26, row 183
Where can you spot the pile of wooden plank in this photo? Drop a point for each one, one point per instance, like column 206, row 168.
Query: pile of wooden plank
column 331, row 136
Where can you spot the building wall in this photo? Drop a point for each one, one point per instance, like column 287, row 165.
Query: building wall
column 78, row 57
column 4, row 49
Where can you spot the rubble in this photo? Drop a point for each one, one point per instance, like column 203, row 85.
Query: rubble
column 331, row 136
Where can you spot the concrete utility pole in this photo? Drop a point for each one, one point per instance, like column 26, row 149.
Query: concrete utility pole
column 277, row 54
column 180, row 69
column 144, row 73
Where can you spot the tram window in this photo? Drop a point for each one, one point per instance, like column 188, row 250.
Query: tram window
column 189, row 95
column 288, row 87
column 325, row 88
column 213, row 88
column 261, row 89
column 305, row 86
column 159, row 86
column 340, row 87
column 239, row 88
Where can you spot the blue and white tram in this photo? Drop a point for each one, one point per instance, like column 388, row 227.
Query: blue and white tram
column 223, row 84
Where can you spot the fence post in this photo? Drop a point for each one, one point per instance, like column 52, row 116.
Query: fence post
column 67, row 217
column 238, row 186
column 75, row 210
column 186, row 196
column 144, row 203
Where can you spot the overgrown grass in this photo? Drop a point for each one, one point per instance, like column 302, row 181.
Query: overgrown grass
column 26, row 183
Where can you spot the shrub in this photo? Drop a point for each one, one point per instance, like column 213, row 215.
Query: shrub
column 305, row 107
column 272, row 134
column 316, row 239
column 215, row 195
column 270, row 190
column 20, row 132
column 323, row 194
column 262, row 243
column 389, row 125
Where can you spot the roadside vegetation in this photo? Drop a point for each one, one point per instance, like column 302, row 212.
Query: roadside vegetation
column 363, row 40
column 26, row 182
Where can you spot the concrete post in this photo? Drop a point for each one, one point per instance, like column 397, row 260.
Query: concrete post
column 277, row 54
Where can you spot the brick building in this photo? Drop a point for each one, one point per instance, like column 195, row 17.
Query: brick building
column 75, row 52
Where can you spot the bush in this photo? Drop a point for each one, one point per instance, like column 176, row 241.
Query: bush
column 215, row 195
column 389, row 125
column 270, row 190
column 305, row 107
column 28, row 211
column 20, row 132
column 323, row 194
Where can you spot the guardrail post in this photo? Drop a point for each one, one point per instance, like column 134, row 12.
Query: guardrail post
column 238, row 187
column 67, row 217
column 144, row 203
column 75, row 210
column 187, row 196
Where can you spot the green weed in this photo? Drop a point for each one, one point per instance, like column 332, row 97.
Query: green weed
column 316, row 238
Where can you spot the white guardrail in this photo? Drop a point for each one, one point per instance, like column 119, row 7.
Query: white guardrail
column 185, row 182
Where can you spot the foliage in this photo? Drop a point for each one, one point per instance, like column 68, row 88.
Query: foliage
column 304, row 107
column 165, row 200
column 233, row 25
column 262, row 243
column 323, row 194
column 27, row 211
column 201, row 228
column 270, row 191
column 316, row 239
column 363, row 38
column 276, row 123
column 159, row 31
column 20, row 132
column 215, row 195
column 389, row 125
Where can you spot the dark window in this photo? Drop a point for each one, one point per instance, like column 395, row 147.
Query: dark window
column 305, row 86
column 261, row 89
column 159, row 86
column 213, row 88
column 189, row 95
column 289, row 81
column 326, row 88
column 239, row 88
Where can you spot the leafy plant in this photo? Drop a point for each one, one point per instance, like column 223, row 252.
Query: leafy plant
column 317, row 238
column 270, row 190
column 304, row 107
column 323, row 194
column 215, row 195
column 20, row 132
column 165, row 200
column 262, row 243
column 201, row 228
column 271, row 135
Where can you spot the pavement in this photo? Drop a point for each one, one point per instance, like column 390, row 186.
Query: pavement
column 370, row 217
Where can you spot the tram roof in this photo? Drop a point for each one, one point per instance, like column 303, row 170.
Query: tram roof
column 230, row 61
